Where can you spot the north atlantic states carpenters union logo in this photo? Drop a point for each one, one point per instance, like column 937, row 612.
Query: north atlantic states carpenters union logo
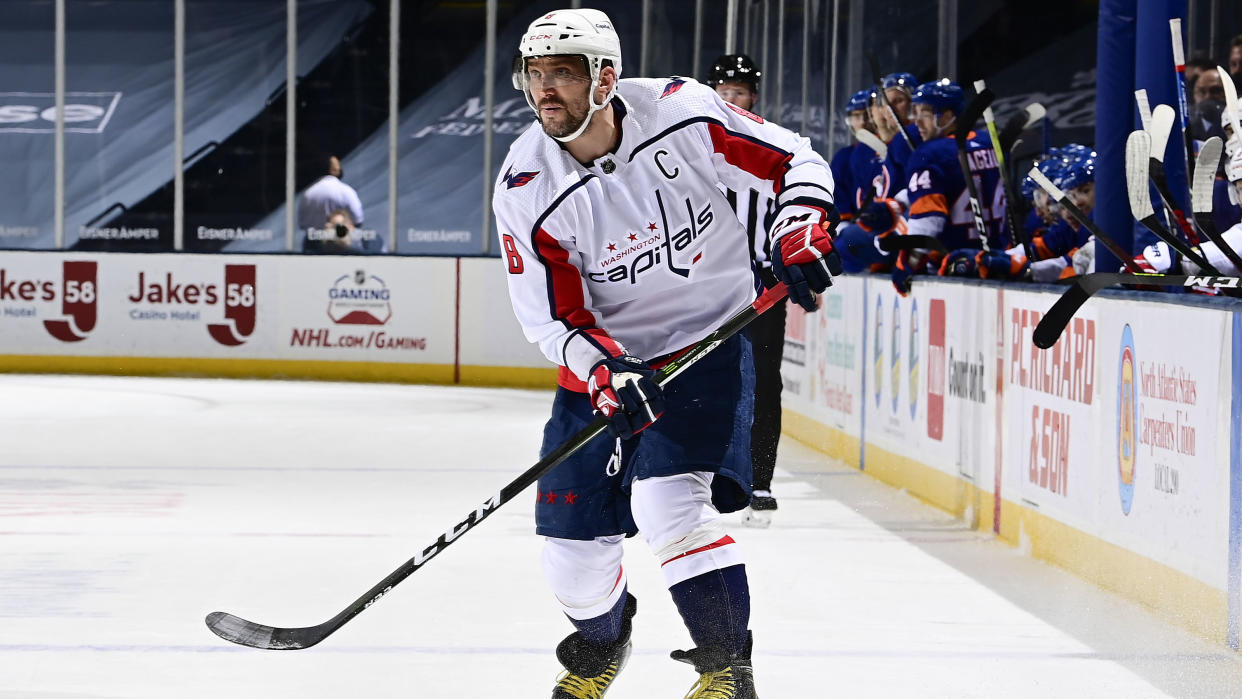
column 1127, row 413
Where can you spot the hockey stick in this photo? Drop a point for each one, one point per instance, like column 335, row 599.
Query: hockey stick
column 897, row 243
column 1144, row 108
column 1140, row 198
column 883, row 98
column 1179, row 67
column 873, row 142
column 1018, row 123
column 1059, row 196
column 247, row 633
column 1201, row 197
column 965, row 123
column 1011, row 200
column 1082, row 288
column 1231, row 102
column 1161, row 125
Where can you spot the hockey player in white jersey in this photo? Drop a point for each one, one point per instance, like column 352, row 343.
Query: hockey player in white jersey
column 621, row 251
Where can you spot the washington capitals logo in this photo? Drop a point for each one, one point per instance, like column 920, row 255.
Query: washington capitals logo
column 672, row 87
column 512, row 179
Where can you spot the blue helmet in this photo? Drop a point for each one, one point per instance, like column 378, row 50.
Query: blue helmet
column 905, row 81
column 941, row 95
column 858, row 101
column 1074, row 150
column 1050, row 166
column 1076, row 171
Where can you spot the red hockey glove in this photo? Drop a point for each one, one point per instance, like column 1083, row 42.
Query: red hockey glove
column 623, row 389
column 803, row 255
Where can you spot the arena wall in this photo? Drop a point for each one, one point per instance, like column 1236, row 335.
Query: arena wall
column 1115, row 454
column 427, row 320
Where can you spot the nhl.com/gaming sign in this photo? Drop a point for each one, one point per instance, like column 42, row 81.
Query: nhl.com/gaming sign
column 354, row 301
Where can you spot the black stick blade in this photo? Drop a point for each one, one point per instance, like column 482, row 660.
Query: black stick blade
column 247, row 633
column 1054, row 321
column 1050, row 327
column 897, row 243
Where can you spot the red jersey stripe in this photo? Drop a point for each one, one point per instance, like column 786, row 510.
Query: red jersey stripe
column 565, row 283
column 762, row 161
column 722, row 541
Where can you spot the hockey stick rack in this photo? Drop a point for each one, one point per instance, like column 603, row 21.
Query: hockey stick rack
column 248, row 633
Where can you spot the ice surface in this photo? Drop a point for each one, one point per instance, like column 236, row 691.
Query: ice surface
column 130, row 508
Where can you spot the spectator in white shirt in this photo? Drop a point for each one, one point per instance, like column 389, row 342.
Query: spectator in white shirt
column 326, row 195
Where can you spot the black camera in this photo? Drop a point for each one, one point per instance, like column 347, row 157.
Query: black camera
column 341, row 230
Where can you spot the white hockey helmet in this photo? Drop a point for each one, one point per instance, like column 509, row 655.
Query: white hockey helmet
column 587, row 33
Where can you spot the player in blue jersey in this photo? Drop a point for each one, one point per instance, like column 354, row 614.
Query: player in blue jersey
column 1055, row 244
column 856, row 240
column 939, row 200
column 856, row 118
column 898, row 90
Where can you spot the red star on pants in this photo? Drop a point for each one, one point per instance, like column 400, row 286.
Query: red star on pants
column 651, row 226
column 570, row 498
column 633, row 237
column 550, row 498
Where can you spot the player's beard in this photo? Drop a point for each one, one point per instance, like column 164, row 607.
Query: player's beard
column 571, row 117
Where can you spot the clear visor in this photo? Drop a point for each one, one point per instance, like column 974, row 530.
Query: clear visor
column 538, row 79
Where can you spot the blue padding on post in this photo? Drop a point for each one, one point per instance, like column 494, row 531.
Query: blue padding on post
column 1114, row 96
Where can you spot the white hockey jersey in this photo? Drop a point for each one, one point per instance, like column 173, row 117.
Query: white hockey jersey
column 639, row 252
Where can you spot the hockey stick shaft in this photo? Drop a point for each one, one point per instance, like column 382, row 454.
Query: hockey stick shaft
column 882, row 96
column 1011, row 211
column 1054, row 322
column 246, row 633
column 965, row 122
column 1061, row 198
column 1162, row 124
column 1179, row 68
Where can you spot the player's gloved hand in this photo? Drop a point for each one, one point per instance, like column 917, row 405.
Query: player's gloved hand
column 803, row 254
column 623, row 389
column 1002, row 264
column 859, row 249
column 1084, row 257
column 1160, row 258
column 960, row 263
column 1048, row 271
column 880, row 216
column 904, row 268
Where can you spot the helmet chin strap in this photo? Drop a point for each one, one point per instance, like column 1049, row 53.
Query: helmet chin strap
column 590, row 113
column 941, row 127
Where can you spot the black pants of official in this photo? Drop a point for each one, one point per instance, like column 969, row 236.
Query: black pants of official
column 767, row 338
